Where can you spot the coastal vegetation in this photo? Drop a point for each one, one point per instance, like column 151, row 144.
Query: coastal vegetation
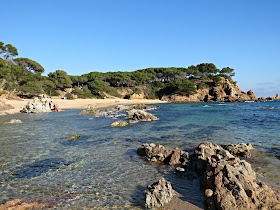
column 23, row 77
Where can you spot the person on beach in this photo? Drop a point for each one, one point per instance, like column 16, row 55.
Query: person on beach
column 50, row 105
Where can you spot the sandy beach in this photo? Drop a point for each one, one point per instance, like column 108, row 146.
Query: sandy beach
column 81, row 103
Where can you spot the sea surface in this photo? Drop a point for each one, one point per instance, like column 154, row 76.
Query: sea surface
column 102, row 169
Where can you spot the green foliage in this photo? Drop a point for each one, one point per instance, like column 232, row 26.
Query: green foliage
column 83, row 92
column 217, row 80
column 203, row 85
column 185, row 87
column 31, row 88
column 8, row 49
column 30, row 65
column 60, row 79
column 137, row 91
column 97, row 87
column 69, row 96
column 227, row 71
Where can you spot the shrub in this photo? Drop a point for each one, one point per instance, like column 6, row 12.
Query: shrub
column 69, row 96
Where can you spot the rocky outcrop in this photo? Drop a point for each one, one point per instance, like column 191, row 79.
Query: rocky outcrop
column 119, row 123
column 158, row 194
column 135, row 116
column 113, row 112
column 230, row 183
column 159, row 153
column 242, row 149
column 227, row 91
column 36, row 107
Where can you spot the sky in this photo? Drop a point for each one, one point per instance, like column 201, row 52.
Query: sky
column 126, row 35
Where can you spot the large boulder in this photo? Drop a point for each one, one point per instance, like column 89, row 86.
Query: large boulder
column 158, row 153
column 158, row 194
column 230, row 183
column 36, row 107
column 134, row 116
column 15, row 121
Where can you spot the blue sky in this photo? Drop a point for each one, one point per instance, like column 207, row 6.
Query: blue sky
column 126, row 35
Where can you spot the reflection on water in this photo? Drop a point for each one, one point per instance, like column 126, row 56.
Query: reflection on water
column 102, row 169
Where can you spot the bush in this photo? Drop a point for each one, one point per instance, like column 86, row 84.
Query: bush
column 137, row 91
column 69, row 96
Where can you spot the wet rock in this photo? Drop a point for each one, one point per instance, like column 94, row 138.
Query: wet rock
column 159, row 153
column 20, row 204
column 230, row 183
column 36, row 107
column 15, row 121
column 119, row 123
column 242, row 149
column 73, row 137
column 158, row 194
column 134, row 106
column 135, row 116
column 2, row 113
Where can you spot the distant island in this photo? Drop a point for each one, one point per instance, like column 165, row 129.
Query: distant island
column 201, row 83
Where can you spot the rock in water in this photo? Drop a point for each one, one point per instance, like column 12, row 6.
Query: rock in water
column 230, row 183
column 15, row 121
column 119, row 123
column 159, row 153
column 73, row 137
column 158, row 194
column 36, row 107
column 135, row 116
column 241, row 149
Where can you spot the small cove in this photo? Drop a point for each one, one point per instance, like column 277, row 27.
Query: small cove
column 102, row 168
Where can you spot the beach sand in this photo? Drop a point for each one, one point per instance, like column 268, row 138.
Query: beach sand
column 81, row 103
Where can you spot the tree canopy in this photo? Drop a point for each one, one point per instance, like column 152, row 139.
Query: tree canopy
column 30, row 65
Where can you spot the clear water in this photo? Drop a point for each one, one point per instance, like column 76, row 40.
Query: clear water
column 102, row 168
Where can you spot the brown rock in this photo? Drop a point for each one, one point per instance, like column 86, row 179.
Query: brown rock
column 232, row 181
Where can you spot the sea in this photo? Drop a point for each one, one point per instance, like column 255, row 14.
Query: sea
column 102, row 169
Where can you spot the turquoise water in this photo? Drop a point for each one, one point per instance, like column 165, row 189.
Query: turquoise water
column 102, row 168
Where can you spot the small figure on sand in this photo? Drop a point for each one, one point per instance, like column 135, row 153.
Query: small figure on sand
column 55, row 108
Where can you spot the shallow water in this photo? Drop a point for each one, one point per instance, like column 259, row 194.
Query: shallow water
column 102, row 168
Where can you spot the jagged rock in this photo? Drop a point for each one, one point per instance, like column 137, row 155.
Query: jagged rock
column 73, row 137
column 270, row 98
column 119, row 123
column 261, row 99
column 15, row 121
column 158, row 194
column 134, row 116
column 241, row 149
column 252, row 96
column 159, row 153
column 230, row 183
column 36, row 107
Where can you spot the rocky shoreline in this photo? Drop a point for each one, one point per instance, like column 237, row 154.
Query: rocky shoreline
column 228, row 181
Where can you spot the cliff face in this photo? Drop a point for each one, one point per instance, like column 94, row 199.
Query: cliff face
column 227, row 91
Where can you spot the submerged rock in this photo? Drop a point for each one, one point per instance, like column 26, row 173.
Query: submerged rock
column 230, row 183
column 158, row 194
column 73, row 137
column 35, row 107
column 15, row 121
column 119, row 123
column 20, row 204
column 242, row 149
column 135, row 116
